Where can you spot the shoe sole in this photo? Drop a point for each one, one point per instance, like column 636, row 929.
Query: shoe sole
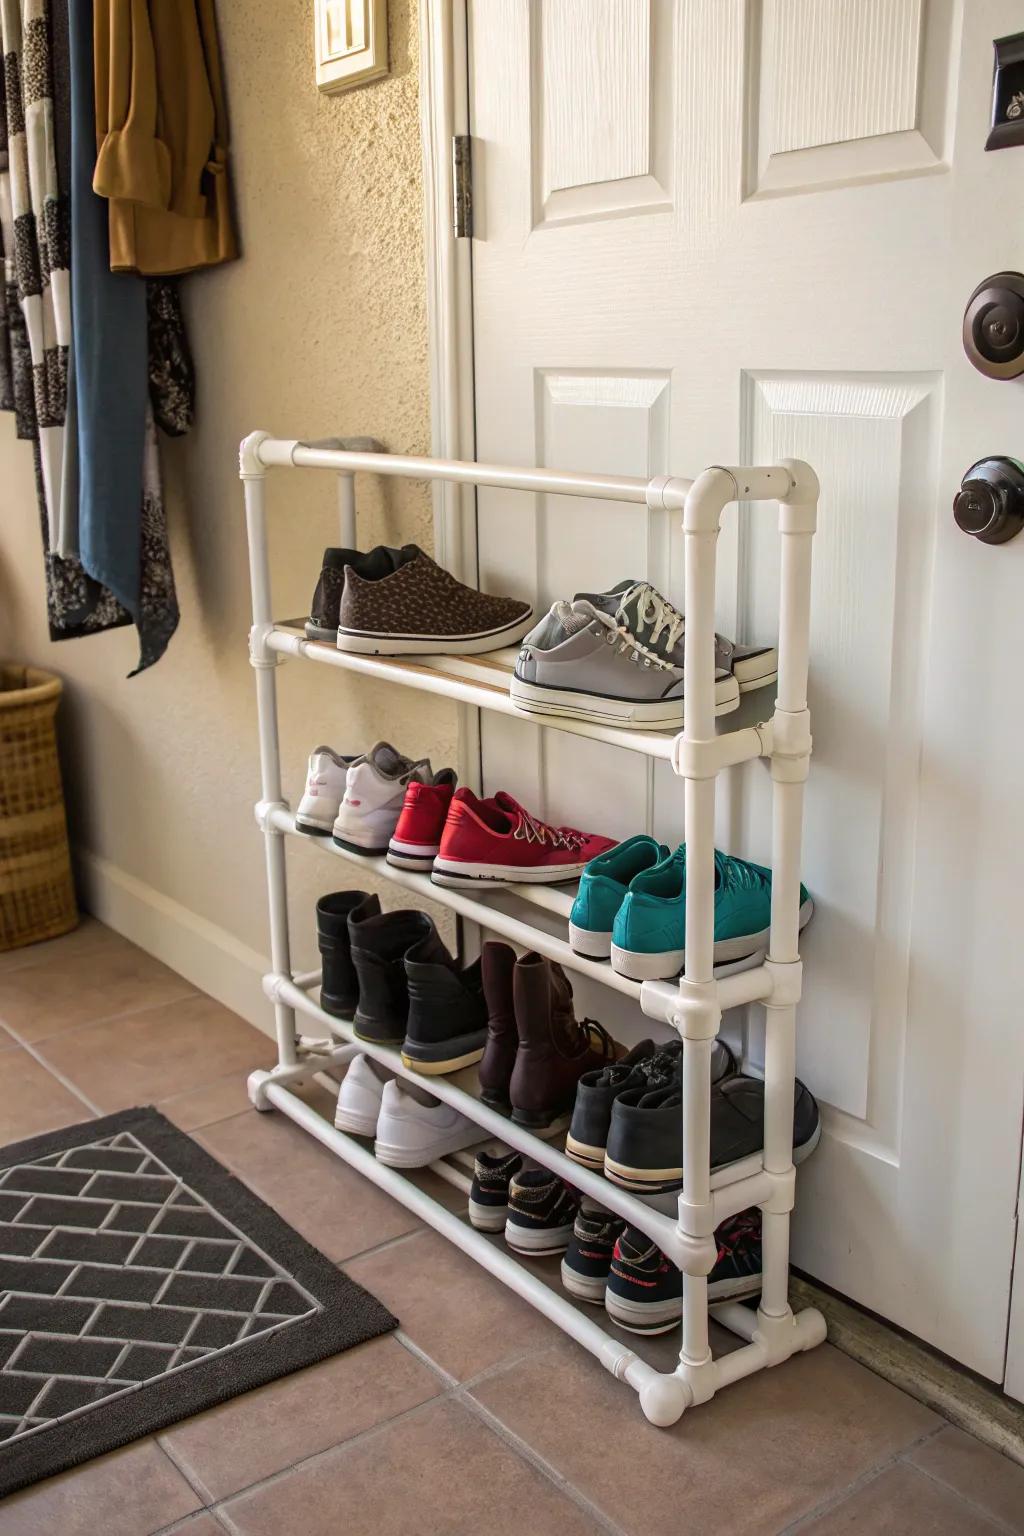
column 627, row 714
column 590, row 944
column 535, row 1245
column 355, row 1125
column 587, row 1157
column 464, row 875
column 367, row 643
column 487, row 1218
column 364, row 852
column 663, row 965
column 389, row 1040
column 403, row 1157
column 446, row 1064
column 654, row 1181
column 662, row 1317
column 583, row 1287
column 314, row 828
column 644, row 1316
column 411, row 856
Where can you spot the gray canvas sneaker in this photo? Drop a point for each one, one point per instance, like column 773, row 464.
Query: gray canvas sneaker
column 586, row 663
column 645, row 613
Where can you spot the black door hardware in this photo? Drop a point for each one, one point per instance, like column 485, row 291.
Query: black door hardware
column 990, row 502
column 994, row 326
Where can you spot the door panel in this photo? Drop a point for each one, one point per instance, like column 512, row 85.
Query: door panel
column 713, row 231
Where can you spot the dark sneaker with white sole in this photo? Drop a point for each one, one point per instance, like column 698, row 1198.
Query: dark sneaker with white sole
column 447, row 1023
column 646, row 1068
column 399, row 602
column 488, row 1196
column 541, row 1213
column 589, row 1256
column 645, row 1139
column 645, row 1290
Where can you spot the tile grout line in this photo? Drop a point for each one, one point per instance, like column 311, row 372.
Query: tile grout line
column 389, row 1242
column 997, row 1523
column 195, row 1483
column 65, row 1082
column 460, row 1392
column 842, row 1495
column 107, row 1018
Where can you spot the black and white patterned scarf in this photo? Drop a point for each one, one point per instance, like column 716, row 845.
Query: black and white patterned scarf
column 35, row 333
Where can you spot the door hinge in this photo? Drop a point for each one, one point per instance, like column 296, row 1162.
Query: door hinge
column 462, row 186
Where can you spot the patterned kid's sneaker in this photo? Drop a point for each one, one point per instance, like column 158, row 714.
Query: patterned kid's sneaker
column 488, row 1197
column 541, row 1213
column 497, row 841
column 648, row 935
column 416, row 840
column 602, row 890
column 406, row 604
column 645, row 1290
column 588, row 1259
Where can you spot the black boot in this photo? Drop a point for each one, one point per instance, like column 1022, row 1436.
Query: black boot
column 447, row 1026
column 339, row 988
column 379, row 942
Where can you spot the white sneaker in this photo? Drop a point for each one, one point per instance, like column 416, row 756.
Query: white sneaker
column 325, row 787
column 359, row 1096
column 412, row 1133
column 375, row 788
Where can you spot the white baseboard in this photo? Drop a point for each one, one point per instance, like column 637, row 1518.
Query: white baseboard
column 212, row 959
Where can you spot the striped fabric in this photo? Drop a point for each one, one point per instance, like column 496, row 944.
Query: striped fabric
column 39, row 231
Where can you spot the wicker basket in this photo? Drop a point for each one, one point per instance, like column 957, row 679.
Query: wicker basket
column 37, row 896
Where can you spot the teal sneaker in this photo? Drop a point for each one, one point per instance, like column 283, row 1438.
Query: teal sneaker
column 602, row 889
column 648, row 935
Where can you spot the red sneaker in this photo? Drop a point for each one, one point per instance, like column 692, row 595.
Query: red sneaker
column 417, row 836
column 497, row 840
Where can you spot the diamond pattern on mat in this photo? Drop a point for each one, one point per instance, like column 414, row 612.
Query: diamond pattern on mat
column 112, row 1273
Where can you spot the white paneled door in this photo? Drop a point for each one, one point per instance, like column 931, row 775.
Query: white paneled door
column 724, row 231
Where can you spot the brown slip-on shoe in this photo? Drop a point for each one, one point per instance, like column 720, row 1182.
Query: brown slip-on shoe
column 416, row 607
column 554, row 1049
column 498, row 962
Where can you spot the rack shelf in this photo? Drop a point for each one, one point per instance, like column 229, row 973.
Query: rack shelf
column 478, row 680
column 693, row 1005
column 487, row 909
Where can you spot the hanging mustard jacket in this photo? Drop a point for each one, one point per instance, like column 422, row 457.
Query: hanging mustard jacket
column 162, row 135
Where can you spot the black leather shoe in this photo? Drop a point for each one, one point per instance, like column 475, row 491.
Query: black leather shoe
column 645, row 1138
column 339, row 987
column 499, row 963
column 447, row 1023
column 379, row 942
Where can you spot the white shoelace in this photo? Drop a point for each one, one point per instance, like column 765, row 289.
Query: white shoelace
column 654, row 610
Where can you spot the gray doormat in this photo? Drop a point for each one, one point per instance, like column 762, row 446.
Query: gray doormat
column 140, row 1282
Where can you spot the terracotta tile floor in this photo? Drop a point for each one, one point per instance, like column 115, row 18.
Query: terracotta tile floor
column 476, row 1416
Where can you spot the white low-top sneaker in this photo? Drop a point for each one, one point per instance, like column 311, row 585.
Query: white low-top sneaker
column 375, row 788
column 359, row 1096
column 415, row 1129
column 325, row 787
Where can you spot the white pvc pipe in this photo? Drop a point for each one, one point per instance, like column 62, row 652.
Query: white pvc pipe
column 347, row 510
column 419, row 675
column 476, row 910
column 614, row 1356
column 270, row 755
column 630, row 1207
column 277, row 451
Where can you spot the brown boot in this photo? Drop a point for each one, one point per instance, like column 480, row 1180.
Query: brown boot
column 554, row 1050
column 498, row 961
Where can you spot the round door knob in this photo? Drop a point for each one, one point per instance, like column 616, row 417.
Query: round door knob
column 994, row 326
column 990, row 502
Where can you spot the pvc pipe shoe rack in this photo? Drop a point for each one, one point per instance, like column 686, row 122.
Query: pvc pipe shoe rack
column 692, row 1006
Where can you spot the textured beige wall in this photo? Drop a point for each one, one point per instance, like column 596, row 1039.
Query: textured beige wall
column 320, row 329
